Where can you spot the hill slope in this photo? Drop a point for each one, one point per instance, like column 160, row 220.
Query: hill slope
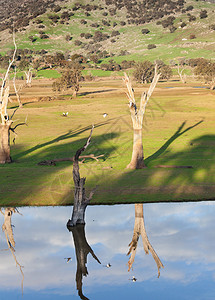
column 176, row 28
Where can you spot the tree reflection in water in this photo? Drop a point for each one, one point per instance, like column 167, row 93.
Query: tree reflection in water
column 82, row 249
column 8, row 230
column 139, row 229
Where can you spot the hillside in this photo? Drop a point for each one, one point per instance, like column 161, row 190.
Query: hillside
column 176, row 28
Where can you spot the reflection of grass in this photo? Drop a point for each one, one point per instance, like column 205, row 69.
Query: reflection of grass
column 49, row 136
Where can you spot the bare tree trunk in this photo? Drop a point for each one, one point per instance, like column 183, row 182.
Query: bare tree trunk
column 80, row 198
column 74, row 94
column 137, row 159
column 139, row 229
column 5, row 144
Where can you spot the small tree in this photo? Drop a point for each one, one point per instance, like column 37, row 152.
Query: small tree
column 206, row 69
column 70, row 78
column 144, row 72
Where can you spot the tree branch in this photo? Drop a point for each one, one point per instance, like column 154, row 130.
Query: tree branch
column 52, row 162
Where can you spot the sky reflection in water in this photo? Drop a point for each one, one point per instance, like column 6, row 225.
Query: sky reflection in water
column 181, row 234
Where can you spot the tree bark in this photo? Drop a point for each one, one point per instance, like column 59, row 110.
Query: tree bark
column 137, row 159
column 80, row 198
column 5, row 144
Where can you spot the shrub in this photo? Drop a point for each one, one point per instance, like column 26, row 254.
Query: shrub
column 212, row 27
column 203, row 14
column 83, row 22
column 77, row 43
column 190, row 7
column 151, row 46
column 183, row 24
column 115, row 33
column 44, row 36
column 145, row 31
column 172, row 29
column 192, row 36
column 192, row 18
column 68, row 37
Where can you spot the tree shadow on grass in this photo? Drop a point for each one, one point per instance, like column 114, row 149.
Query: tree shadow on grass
column 117, row 186
column 68, row 135
column 94, row 92
column 176, row 135
column 171, row 184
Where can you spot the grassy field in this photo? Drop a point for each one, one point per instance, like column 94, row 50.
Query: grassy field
column 178, row 130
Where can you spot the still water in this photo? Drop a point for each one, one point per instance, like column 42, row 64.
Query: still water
column 181, row 235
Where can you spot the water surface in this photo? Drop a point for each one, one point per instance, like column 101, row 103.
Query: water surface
column 182, row 234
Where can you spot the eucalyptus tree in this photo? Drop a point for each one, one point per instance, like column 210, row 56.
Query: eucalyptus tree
column 137, row 160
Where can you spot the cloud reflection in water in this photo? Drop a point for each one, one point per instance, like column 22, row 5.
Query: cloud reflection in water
column 182, row 235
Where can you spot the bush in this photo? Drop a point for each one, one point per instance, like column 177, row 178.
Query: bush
column 115, row 33
column 183, row 24
column 145, row 31
column 83, row 21
column 172, row 29
column 77, row 43
column 151, row 46
column 68, row 37
column 192, row 18
column 203, row 14
column 192, row 36
column 212, row 27
column 190, row 7
column 44, row 36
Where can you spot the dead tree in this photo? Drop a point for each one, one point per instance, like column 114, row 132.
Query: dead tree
column 28, row 77
column 82, row 249
column 7, row 229
column 139, row 229
column 5, row 129
column 80, row 198
column 6, row 122
column 183, row 77
column 137, row 160
column 77, row 223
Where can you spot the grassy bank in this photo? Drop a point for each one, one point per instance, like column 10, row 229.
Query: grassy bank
column 178, row 130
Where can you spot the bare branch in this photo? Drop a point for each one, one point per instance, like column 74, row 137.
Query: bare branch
column 15, row 89
column 8, row 69
column 53, row 161
column 130, row 93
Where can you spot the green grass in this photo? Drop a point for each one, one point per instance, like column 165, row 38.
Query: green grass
column 48, row 73
column 173, row 134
